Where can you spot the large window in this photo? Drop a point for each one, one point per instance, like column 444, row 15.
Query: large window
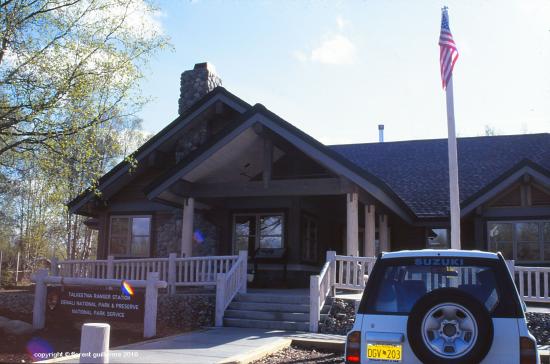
column 253, row 231
column 130, row 236
column 524, row 241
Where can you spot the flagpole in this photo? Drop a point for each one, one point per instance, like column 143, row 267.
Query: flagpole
column 453, row 168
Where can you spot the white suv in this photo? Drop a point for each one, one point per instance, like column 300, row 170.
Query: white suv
column 441, row 306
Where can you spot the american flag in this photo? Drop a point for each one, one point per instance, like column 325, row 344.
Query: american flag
column 448, row 53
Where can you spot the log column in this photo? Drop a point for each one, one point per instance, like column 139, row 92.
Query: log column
column 187, row 227
column 383, row 233
column 370, row 231
column 352, row 226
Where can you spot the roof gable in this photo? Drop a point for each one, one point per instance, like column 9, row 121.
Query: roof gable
column 121, row 170
column 504, row 181
column 259, row 115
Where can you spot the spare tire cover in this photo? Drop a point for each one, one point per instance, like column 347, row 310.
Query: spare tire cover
column 449, row 298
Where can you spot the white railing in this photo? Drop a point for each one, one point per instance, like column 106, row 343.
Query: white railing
column 320, row 287
column 80, row 268
column 352, row 272
column 228, row 284
column 203, row 271
column 138, row 268
column 193, row 271
column 339, row 272
column 532, row 283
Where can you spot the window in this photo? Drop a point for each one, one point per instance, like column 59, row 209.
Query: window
column 524, row 241
column 438, row 239
column 501, row 238
column 245, row 232
column 403, row 285
column 309, row 239
column 130, row 236
column 253, row 231
column 528, row 242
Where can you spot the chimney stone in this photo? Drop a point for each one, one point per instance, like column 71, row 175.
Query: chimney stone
column 196, row 83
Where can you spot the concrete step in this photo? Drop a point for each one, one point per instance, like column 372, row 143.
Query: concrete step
column 266, row 324
column 271, row 298
column 271, row 307
column 269, row 316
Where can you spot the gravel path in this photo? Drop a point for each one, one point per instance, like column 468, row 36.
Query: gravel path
column 340, row 319
column 539, row 325
column 298, row 355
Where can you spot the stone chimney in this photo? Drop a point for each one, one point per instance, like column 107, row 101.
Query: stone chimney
column 196, row 83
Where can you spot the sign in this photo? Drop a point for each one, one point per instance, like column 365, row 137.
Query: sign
column 99, row 304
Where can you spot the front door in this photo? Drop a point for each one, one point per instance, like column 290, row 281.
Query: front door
column 252, row 231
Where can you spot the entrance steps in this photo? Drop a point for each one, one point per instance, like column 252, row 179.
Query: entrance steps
column 269, row 311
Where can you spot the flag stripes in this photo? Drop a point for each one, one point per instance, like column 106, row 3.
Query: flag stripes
column 448, row 53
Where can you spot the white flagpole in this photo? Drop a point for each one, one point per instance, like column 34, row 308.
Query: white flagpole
column 453, row 168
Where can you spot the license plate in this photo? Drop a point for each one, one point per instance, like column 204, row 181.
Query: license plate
column 384, row 352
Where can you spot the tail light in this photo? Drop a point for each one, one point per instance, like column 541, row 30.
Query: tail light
column 527, row 351
column 353, row 347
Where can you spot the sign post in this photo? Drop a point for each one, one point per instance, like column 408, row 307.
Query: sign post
column 40, row 291
column 1, row 257
column 151, row 295
column 17, row 269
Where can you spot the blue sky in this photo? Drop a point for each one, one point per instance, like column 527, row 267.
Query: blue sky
column 336, row 69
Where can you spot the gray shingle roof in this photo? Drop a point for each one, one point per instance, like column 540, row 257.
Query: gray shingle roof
column 417, row 171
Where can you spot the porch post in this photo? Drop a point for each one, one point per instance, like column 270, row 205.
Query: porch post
column 187, row 227
column 383, row 233
column 352, row 222
column 370, row 231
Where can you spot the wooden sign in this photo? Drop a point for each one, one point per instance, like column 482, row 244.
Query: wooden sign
column 98, row 304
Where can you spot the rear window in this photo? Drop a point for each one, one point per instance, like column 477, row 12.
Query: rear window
column 400, row 283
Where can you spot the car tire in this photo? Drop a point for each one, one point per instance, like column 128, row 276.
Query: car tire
column 484, row 338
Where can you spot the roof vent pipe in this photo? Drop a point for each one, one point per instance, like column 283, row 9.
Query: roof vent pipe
column 381, row 133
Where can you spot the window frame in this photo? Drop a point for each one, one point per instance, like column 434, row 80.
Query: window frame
column 257, row 235
column 515, row 238
column 131, row 217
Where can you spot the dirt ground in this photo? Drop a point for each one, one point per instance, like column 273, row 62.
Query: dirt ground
column 62, row 338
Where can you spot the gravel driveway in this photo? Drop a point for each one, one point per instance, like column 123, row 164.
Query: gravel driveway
column 296, row 355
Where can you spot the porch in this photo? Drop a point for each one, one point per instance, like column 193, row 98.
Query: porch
column 292, row 309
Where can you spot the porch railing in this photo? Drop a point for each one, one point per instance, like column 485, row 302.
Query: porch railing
column 532, row 282
column 320, row 287
column 352, row 272
column 192, row 271
column 228, row 284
